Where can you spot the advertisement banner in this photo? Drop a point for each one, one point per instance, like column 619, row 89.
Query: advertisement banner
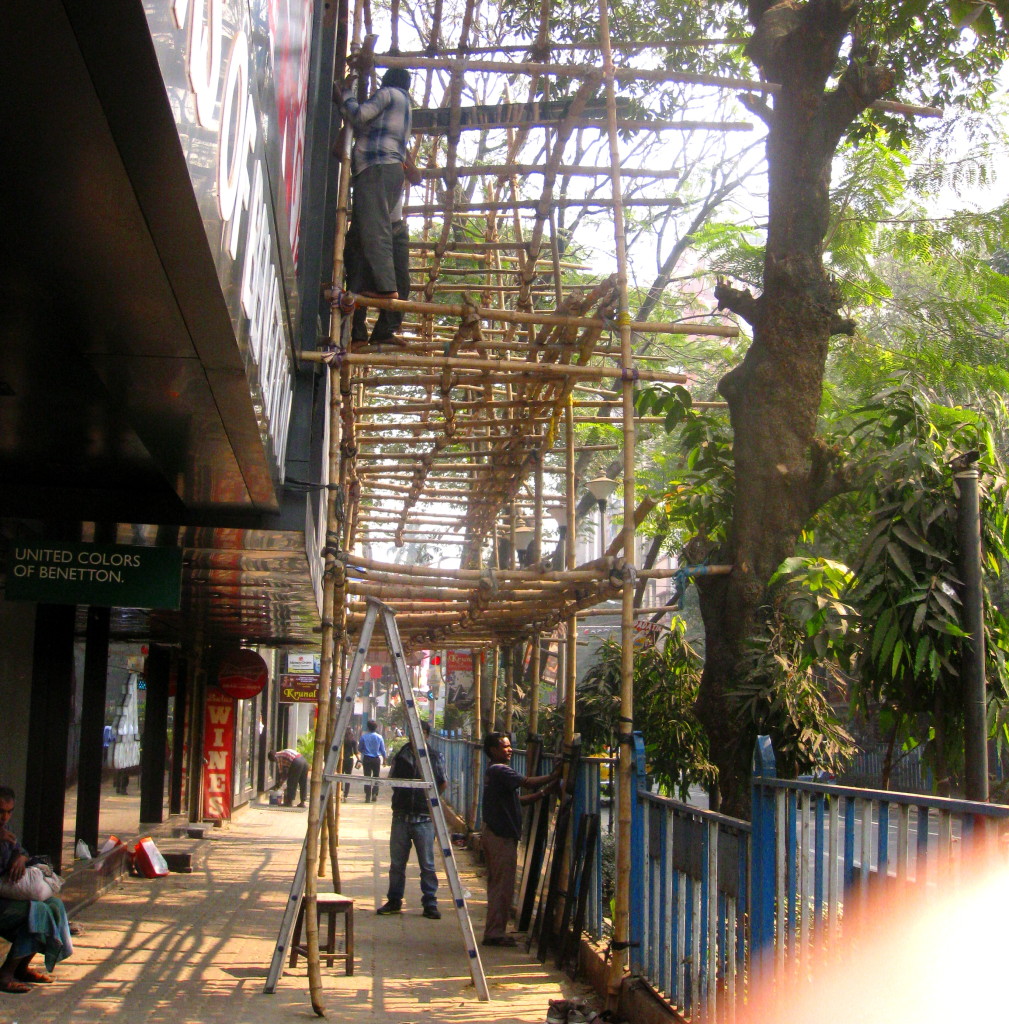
column 298, row 688
column 218, row 755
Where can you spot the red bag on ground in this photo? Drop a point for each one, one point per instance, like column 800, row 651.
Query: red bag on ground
column 148, row 860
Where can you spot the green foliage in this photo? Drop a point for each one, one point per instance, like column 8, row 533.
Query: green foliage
column 698, row 492
column 666, row 679
column 790, row 668
column 305, row 745
column 907, row 588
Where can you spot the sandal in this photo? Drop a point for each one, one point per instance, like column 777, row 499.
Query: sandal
column 14, row 987
column 32, row 976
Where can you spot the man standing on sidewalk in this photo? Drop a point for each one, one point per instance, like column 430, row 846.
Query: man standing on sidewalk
column 292, row 768
column 412, row 826
column 371, row 747
column 502, row 820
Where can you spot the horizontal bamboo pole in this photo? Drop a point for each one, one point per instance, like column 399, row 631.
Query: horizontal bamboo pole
column 512, row 316
column 515, row 367
column 633, row 124
column 588, row 46
column 657, row 75
column 588, row 571
column 433, row 209
column 525, row 170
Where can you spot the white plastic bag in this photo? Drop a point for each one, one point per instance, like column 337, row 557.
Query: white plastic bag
column 39, row 882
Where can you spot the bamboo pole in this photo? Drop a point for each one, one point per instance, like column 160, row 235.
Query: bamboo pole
column 621, row 916
column 516, row 368
column 525, row 170
column 663, row 203
column 636, row 124
column 745, row 85
column 571, row 624
column 551, row 319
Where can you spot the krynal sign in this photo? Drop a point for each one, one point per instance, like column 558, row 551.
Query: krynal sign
column 112, row 575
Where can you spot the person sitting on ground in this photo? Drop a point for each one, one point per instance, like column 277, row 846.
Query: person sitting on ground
column 292, row 768
column 502, row 819
column 412, row 825
column 381, row 130
column 30, row 926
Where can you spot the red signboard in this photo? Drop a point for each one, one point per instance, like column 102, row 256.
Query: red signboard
column 218, row 755
column 298, row 689
column 242, row 673
column 458, row 661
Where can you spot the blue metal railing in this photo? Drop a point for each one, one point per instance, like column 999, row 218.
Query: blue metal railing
column 689, row 911
column 716, row 901
column 821, row 850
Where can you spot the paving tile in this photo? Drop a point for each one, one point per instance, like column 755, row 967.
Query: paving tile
column 195, row 948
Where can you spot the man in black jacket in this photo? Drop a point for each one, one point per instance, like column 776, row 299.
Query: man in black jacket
column 412, row 826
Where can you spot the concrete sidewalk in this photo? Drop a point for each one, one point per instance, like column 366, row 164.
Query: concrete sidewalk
column 195, row 949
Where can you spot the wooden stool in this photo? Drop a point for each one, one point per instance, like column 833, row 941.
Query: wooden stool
column 330, row 904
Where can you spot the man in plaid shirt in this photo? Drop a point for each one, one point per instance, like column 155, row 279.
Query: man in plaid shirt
column 381, row 129
column 292, row 768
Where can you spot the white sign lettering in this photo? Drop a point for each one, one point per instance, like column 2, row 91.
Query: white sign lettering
column 225, row 103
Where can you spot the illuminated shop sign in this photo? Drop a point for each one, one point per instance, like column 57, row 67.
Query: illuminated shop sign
column 246, row 160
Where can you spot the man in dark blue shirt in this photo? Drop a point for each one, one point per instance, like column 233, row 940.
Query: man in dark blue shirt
column 502, row 820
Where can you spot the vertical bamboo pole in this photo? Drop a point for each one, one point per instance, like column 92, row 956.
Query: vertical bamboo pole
column 514, row 660
column 477, row 736
column 571, row 649
column 534, row 657
column 621, row 922
column 333, row 577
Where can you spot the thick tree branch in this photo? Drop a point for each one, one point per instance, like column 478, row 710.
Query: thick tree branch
column 737, row 300
column 861, row 85
column 842, row 325
column 757, row 106
column 828, row 475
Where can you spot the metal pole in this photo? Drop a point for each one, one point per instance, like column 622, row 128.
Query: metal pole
column 972, row 669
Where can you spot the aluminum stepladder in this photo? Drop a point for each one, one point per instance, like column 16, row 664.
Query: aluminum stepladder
column 376, row 610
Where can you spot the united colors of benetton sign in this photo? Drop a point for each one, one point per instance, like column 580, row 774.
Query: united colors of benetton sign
column 109, row 575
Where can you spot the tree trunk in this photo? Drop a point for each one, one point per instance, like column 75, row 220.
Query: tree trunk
column 783, row 472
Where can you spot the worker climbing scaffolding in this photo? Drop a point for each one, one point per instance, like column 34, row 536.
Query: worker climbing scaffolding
column 377, row 246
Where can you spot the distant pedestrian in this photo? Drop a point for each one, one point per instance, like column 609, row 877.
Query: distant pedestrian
column 349, row 757
column 371, row 748
column 292, row 768
column 412, row 826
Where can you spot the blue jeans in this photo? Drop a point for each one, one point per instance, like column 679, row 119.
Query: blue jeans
column 420, row 835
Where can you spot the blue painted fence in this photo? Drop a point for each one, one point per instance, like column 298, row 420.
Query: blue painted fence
column 717, row 902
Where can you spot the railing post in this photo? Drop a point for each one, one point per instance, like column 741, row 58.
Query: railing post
column 762, row 859
column 639, row 855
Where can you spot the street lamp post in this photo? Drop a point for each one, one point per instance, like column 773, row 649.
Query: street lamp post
column 524, row 536
column 559, row 514
column 601, row 488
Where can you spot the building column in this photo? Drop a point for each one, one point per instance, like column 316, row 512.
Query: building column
column 49, row 719
column 92, row 749
column 155, row 737
column 179, row 711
